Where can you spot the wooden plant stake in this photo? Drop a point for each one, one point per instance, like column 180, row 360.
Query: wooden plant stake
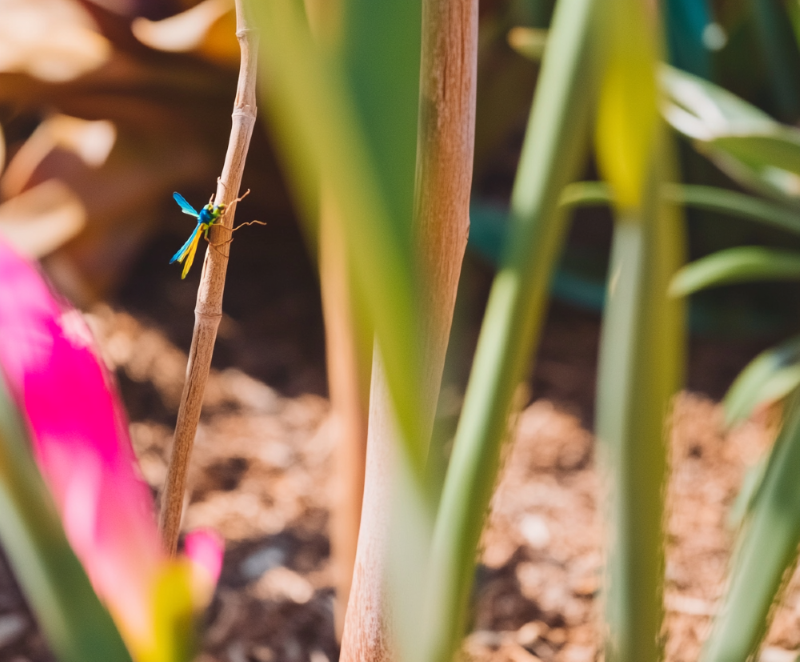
column 208, row 310
column 444, row 176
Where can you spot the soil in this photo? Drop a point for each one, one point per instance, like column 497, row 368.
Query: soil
column 262, row 472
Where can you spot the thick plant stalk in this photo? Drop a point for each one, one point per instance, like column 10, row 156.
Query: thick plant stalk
column 554, row 147
column 348, row 384
column 208, row 310
column 444, row 175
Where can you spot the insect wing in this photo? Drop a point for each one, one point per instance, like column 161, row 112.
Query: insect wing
column 191, row 252
column 185, row 206
column 183, row 250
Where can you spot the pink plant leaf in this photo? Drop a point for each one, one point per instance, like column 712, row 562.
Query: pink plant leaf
column 83, row 449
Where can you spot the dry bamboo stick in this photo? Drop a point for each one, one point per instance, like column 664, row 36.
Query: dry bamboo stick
column 444, row 176
column 208, row 310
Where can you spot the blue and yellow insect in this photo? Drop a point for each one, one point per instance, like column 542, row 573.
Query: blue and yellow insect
column 206, row 217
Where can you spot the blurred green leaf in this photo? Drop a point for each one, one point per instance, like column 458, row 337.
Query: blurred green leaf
column 641, row 350
column 770, row 376
column 316, row 124
column 766, row 548
column 734, row 204
column 641, row 359
column 751, row 483
column 706, row 103
column 736, row 265
column 76, row 625
column 780, row 53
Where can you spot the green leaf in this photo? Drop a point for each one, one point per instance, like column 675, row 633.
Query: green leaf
column 76, row 625
column 736, row 265
column 766, row 549
column 329, row 128
column 710, row 105
column 641, row 359
column 770, row 376
column 751, row 483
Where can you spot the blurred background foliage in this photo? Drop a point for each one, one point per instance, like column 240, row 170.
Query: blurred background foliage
column 107, row 106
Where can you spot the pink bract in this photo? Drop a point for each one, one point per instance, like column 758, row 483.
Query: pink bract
column 82, row 446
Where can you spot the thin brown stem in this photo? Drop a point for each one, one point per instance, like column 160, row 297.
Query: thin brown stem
column 208, row 310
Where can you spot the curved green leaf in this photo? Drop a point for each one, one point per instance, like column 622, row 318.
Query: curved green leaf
column 772, row 375
column 736, row 265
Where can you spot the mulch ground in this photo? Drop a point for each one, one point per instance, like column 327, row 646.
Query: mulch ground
column 262, row 474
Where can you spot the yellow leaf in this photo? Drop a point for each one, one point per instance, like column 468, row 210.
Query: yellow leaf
column 627, row 108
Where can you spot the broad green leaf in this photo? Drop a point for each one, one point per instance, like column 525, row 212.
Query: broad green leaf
column 552, row 154
column 736, row 265
column 770, row 376
column 766, row 549
column 324, row 123
column 76, row 625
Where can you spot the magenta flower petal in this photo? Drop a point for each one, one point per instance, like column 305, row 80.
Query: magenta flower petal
column 83, row 449
column 204, row 549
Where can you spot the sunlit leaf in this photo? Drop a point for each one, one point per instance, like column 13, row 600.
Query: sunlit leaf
column 208, row 28
column 627, row 113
